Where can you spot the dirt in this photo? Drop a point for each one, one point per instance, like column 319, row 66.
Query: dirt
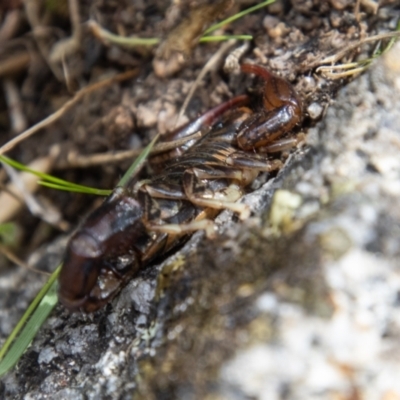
column 147, row 332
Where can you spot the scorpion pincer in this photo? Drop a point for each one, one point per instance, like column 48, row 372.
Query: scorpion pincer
column 136, row 224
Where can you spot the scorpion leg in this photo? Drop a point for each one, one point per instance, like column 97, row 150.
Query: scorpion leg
column 148, row 194
column 258, row 162
column 219, row 199
column 181, row 229
column 283, row 144
column 160, row 191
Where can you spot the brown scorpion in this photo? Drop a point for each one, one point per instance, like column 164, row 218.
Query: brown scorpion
column 140, row 222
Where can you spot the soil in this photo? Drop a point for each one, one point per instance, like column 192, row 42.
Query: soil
column 170, row 331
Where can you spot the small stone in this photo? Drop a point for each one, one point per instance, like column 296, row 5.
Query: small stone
column 47, row 355
column 315, row 110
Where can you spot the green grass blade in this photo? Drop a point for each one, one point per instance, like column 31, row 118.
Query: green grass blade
column 77, row 189
column 106, row 35
column 36, row 314
column 129, row 41
column 136, row 41
column 138, row 163
column 49, row 180
column 237, row 16
column 219, row 38
column 392, row 41
column 74, row 187
column 24, row 168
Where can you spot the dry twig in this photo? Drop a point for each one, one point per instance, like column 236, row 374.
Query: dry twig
column 211, row 64
column 14, row 63
column 16, row 260
column 15, row 112
column 77, row 161
column 339, row 55
column 61, row 111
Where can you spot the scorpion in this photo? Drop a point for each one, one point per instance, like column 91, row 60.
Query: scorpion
column 143, row 221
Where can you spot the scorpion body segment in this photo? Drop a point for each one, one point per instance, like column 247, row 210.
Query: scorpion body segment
column 281, row 113
column 106, row 248
column 135, row 225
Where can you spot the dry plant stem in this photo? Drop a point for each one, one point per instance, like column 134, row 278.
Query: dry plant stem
column 336, row 57
column 4, row 188
column 67, row 77
column 14, row 259
column 32, row 8
column 357, row 10
column 75, row 19
column 173, row 52
column 17, row 117
column 329, row 72
column 76, row 161
column 372, row 6
column 60, row 112
column 107, row 37
column 211, row 64
column 232, row 61
column 14, row 63
column 340, row 75
column 70, row 45
column 25, row 185
column 10, row 25
column 9, row 205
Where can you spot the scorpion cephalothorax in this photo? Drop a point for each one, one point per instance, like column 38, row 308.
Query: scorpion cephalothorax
column 136, row 224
